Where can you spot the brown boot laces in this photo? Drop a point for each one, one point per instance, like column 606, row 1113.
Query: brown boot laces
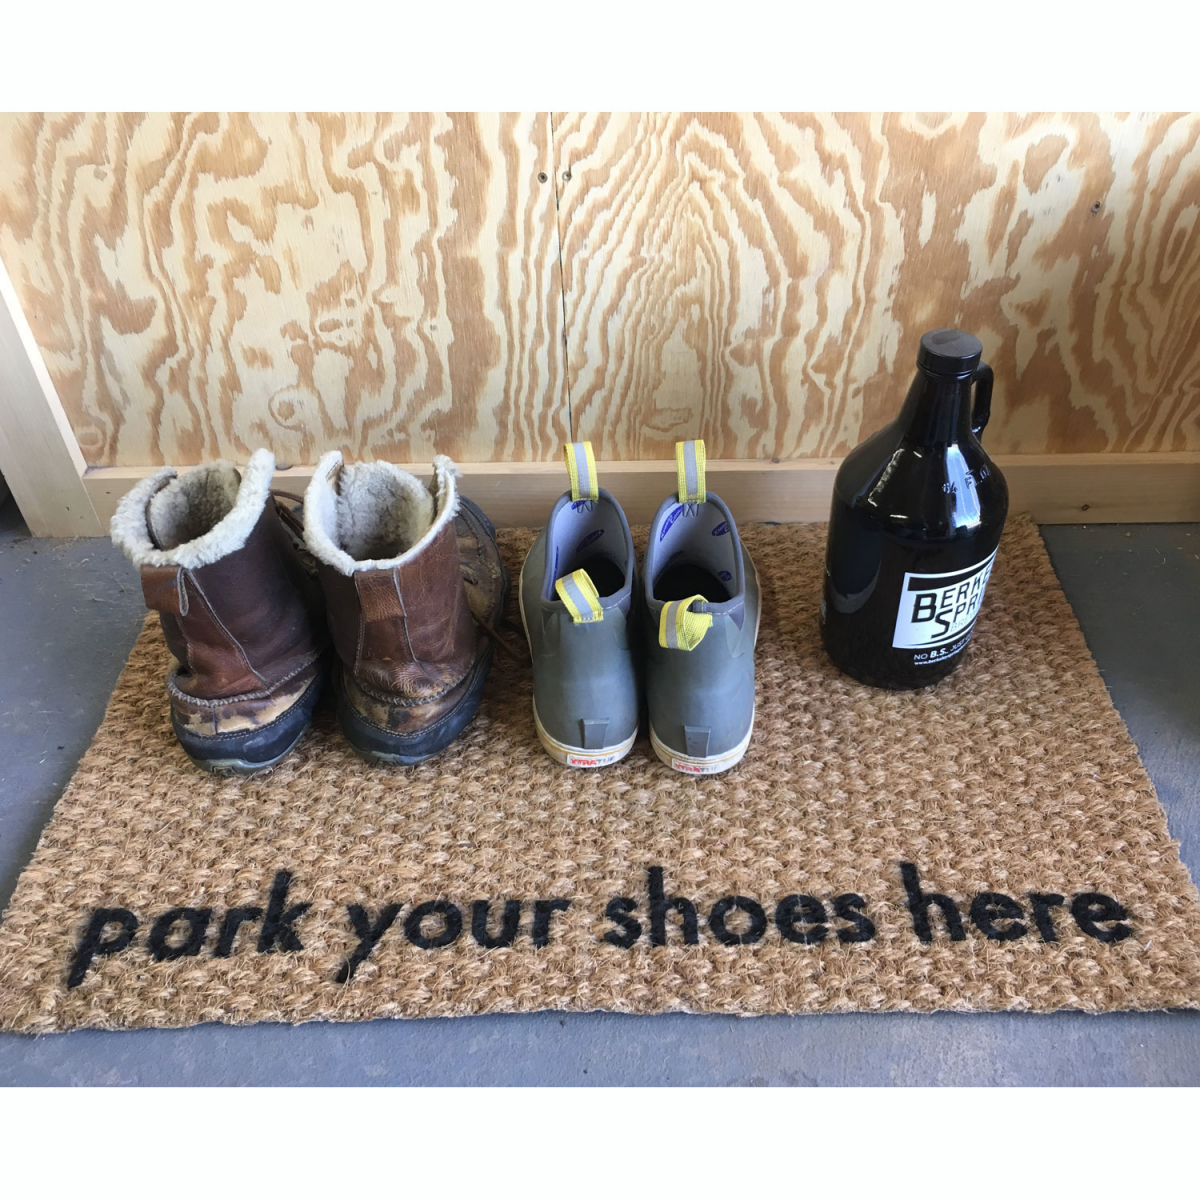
column 518, row 652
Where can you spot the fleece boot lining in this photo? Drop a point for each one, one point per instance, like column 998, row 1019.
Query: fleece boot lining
column 190, row 505
column 196, row 518
column 372, row 515
column 380, row 514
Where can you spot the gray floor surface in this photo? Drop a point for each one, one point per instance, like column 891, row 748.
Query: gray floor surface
column 71, row 611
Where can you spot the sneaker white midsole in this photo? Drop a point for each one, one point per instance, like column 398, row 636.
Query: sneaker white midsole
column 689, row 765
column 577, row 756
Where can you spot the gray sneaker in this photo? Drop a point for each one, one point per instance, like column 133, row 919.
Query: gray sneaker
column 703, row 607
column 577, row 608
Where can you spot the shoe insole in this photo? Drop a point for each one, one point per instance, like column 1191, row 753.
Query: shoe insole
column 685, row 579
column 604, row 573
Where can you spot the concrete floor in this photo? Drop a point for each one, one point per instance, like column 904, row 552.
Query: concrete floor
column 72, row 610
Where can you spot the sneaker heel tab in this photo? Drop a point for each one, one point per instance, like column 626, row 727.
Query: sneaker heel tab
column 690, row 463
column 581, row 470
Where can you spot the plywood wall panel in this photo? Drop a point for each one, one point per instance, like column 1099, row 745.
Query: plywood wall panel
column 203, row 284
column 389, row 284
column 762, row 281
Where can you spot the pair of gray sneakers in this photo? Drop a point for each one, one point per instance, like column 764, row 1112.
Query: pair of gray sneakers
column 688, row 622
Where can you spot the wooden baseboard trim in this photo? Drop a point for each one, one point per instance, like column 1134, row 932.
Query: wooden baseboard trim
column 1054, row 488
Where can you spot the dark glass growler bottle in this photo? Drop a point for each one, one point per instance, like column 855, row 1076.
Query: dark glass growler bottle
column 917, row 513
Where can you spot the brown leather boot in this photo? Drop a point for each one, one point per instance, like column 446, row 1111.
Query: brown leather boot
column 240, row 609
column 410, row 573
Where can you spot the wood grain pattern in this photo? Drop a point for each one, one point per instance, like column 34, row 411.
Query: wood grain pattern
column 203, row 284
column 762, row 281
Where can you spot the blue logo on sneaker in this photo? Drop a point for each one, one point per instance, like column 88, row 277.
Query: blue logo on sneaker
column 583, row 505
column 662, row 533
column 720, row 529
column 591, row 537
column 724, row 576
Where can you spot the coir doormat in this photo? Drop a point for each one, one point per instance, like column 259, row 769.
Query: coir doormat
column 990, row 843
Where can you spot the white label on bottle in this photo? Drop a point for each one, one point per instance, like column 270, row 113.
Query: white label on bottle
column 937, row 612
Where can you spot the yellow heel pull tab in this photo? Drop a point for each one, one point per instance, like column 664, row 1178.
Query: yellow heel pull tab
column 689, row 464
column 679, row 628
column 581, row 467
column 578, row 593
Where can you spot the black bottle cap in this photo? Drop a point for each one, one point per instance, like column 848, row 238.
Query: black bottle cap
column 949, row 352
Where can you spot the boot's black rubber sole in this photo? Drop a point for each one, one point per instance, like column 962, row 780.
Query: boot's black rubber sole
column 406, row 750
column 248, row 751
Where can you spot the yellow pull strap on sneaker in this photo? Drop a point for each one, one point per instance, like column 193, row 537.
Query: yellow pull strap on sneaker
column 578, row 593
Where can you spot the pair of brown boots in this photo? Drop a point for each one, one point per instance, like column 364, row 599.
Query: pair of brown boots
column 404, row 578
